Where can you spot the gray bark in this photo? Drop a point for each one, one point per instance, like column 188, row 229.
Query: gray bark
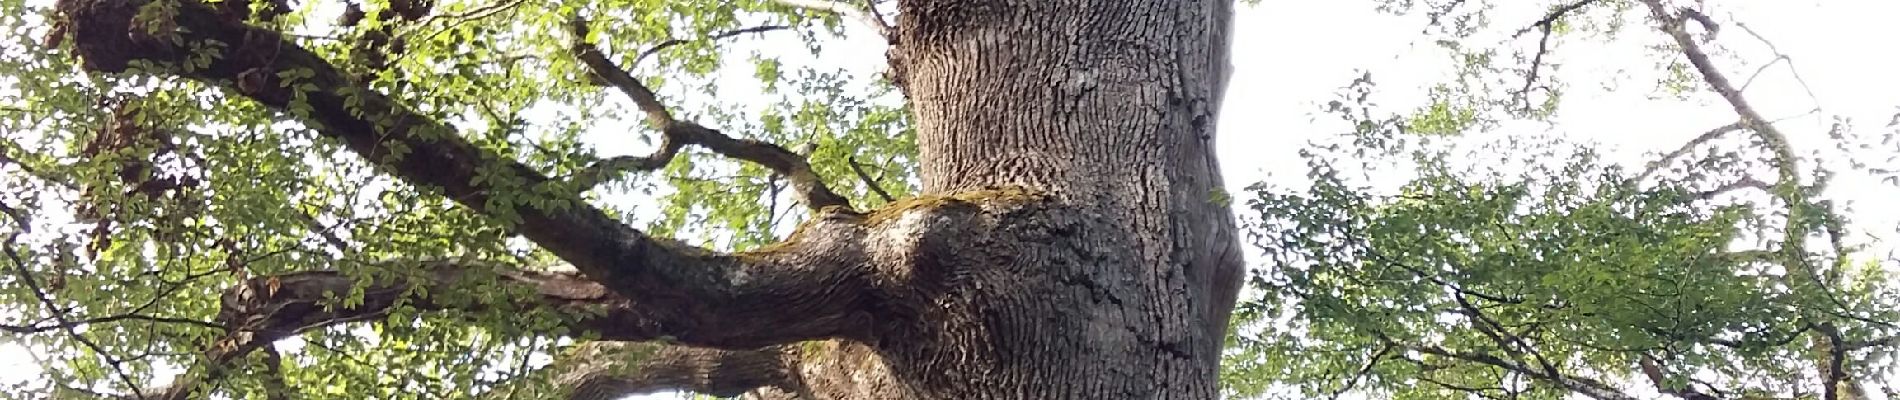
column 1121, row 286
column 1070, row 243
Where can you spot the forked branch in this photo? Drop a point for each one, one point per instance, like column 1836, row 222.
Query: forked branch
column 858, row 168
column 1672, row 24
column 808, row 288
column 263, row 310
column 807, row 185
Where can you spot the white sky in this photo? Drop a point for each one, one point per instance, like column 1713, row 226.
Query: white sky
column 1290, row 56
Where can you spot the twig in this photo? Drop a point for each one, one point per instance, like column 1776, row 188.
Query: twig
column 858, row 169
column 1699, row 140
column 809, row 188
column 845, row 10
column 1580, row 385
column 1555, row 14
column 1759, row 70
column 32, row 285
column 1364, row 369
column 1751, row 119
column 1537, row 64
column 1747, row 182
column 1889, row 340
column 310, row 222
column 650, row 51
column 8, row 146
column 1779, row 56
column 1547, row 25
column 870, row 6
column 485, row 11
column 1653, row 369
column 32, row 329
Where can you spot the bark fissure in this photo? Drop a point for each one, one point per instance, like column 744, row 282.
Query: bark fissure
column 1069, row 244
column 1109, row 110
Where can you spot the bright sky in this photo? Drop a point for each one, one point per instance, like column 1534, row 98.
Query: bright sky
column 1292, row 55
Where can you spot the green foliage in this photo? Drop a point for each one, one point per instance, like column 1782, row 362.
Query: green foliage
column 246, row 192
column 131, row 202
column 1528, row 268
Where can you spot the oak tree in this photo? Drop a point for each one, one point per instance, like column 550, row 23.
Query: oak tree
column 373, row 185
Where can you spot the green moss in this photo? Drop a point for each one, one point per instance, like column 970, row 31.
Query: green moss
column 1006, row 195
column 828, row 213
column 997, row 195
column 809, row 349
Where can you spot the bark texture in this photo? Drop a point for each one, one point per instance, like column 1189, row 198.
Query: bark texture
column 1121, row 286
column 1071, row 243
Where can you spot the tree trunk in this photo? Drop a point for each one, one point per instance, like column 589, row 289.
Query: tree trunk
column 1121, row 286
column 1072, row 242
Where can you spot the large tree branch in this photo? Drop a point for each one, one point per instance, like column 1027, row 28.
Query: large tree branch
column 810, row 287
column 267, row 309
column 1579, row 385
column 810, row 188
column 263, row 310
column 1777, row 143
column 604, row 370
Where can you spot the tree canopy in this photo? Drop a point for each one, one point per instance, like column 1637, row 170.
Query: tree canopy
column 1457, row 245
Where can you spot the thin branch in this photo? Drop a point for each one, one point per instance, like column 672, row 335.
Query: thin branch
column 1759, row 70
column 1511, row 343
column 1547, row 26
column 1537, row 64
column 1782, row 57
column 1699, row 140
column 483, row 11
column 1890, row 340
column 34, row 329
column 1746, row 182
column 650, row 51
column 1364, row 370
column 1579, row 385
column 1653, row 369
column 58, row 313
column 809, row 187
column 870, row 7
column 869, row 18
column 1656, row 165
column 311, row 223
column 858, row 169
column 1717, row 81
column 1555, row 15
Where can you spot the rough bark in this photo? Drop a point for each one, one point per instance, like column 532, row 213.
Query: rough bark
column 1071, row 243
column 1110, row 106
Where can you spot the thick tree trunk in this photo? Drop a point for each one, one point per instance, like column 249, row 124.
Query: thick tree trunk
column 1121, row 285
column 1072, row 242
